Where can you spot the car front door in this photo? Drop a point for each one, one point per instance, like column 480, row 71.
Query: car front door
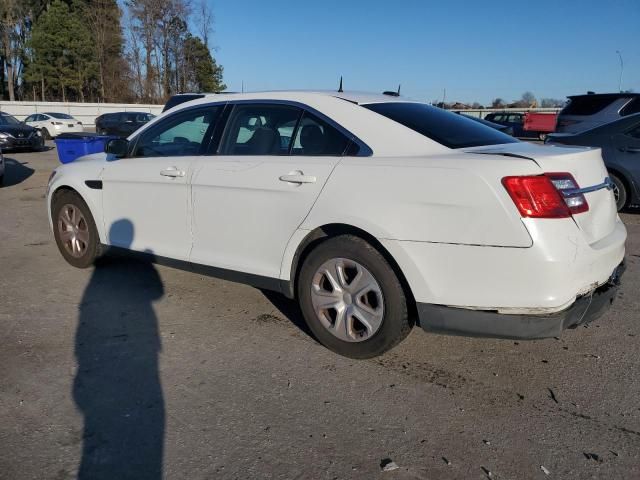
column 149, row 190
column 272, row 163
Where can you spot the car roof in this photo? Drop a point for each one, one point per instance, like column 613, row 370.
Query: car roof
column 360, row 98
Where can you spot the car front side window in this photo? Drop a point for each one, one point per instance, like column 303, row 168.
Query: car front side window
column 181, row 134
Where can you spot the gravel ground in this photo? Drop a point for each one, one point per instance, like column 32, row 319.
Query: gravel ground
column 136, row 371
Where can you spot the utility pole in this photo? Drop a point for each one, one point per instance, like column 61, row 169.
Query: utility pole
column 621, row 70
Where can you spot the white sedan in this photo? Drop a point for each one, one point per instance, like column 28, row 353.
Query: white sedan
column 374, row 212
column 52, row 124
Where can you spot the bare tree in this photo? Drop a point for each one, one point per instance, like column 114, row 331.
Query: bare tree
column 205, row 15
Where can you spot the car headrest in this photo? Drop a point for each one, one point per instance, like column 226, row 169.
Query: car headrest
column 312, row 139
column 263, row 141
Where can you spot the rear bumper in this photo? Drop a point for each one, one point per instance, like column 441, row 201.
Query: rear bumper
column 484, row 323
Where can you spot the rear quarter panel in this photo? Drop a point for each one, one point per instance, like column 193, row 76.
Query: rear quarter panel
column 455, row 198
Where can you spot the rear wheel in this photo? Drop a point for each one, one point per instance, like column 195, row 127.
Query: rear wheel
column 619, row 191
column 352, row 299
column 75, row 230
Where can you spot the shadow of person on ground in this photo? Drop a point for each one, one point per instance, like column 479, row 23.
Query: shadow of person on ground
column 117, row 386
column 15, row 172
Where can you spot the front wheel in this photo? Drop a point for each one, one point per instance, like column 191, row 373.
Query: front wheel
column 75, row 230
column 619, row 191
column 542, row 137
column 45, row 134
column 352, row 299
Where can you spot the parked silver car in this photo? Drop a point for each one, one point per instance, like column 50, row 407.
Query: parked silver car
column 584, row 112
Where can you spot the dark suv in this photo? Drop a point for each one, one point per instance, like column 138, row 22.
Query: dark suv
column 121, row 124
column 584, row 112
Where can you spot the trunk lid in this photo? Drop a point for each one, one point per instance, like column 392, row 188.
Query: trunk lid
column 588, row 169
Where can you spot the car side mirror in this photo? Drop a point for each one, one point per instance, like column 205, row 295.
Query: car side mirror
column 119, row 147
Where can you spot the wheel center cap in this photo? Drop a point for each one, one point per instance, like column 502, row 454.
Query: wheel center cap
column 347, row 298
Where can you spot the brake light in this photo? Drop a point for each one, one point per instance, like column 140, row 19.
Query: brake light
column 536, row 197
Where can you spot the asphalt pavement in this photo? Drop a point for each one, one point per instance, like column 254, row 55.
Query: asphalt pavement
column 129, row 370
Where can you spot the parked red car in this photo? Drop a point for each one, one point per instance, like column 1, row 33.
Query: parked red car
column 542, row 123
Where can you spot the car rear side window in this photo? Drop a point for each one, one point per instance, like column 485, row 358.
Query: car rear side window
column 588, row 104
column 260, row 129
column 446, row 128
column 184, row 133
column 315, row 137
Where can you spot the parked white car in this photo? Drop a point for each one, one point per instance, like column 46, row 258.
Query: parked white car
column 52, row 124
column 372, row 211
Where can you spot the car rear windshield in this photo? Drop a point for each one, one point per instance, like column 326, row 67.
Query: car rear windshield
column 588, row 104
column 447, row 128
column 61, row 116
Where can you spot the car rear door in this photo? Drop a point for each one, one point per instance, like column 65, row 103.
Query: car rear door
column 248, row 200
column 150, row 189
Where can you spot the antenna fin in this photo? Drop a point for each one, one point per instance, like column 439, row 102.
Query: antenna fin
column 340, row 87
column 399, row 89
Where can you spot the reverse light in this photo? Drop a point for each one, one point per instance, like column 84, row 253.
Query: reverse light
column 567, row 186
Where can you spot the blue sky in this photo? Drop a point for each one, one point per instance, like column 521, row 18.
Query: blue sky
column 476, row 49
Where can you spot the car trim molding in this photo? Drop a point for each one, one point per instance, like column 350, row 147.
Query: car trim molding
column 570, row 192
column 94, row 184
column 257, row 281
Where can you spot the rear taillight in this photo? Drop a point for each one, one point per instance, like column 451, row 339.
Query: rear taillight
column 541, row 196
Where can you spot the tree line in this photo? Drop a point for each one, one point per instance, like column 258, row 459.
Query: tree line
column 527, row 100
column 92, row 50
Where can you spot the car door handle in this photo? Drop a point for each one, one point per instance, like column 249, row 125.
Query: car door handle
column 298, row 177
column 172, row 172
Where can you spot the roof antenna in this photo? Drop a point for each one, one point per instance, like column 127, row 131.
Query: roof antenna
column 399, row 89
column 340, row 90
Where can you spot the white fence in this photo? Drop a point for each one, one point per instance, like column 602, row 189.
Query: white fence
column 85, row 112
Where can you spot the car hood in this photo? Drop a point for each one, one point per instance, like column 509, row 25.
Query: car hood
column 17, row 130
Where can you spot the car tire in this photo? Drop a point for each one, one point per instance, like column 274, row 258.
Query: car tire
column 75, row 230
column 542, row 137
column 368, row 292
column 2, row 180
column 619, row 191
column 45, row 134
